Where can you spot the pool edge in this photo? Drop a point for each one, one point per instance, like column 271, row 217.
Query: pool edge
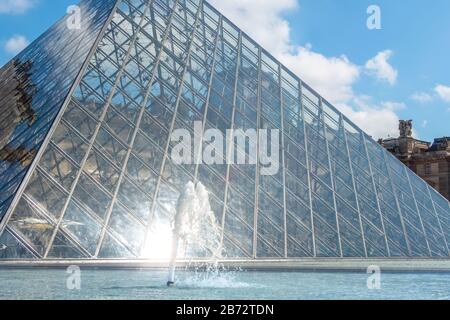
column 307, row 264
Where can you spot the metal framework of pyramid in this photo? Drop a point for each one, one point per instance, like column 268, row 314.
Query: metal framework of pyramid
column 86, row 117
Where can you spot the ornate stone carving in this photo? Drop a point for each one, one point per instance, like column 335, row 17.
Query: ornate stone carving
column 405, row 128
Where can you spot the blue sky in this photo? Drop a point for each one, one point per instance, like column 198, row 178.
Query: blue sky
column 376, row 77
column 417, row 33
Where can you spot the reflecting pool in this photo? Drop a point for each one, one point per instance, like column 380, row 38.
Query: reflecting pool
column 151, row 284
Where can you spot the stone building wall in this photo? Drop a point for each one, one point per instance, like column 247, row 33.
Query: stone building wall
column 431, row 161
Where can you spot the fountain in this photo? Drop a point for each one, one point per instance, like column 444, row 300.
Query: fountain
column 195, row 224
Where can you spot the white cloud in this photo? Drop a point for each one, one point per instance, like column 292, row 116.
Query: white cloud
column 16, row 44
column 424, row 123
column 443, row 92
column 393, row 106
column 376, row 120
column 262, row 20
column 15, row 6
column 379, row 67
column 422, row 97
column 332, row 77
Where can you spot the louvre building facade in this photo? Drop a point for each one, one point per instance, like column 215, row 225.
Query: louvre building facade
column 85, row 122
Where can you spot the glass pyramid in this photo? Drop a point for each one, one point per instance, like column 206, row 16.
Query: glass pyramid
column 86, row 119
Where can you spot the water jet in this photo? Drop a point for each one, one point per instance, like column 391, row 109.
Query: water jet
column 195, row 225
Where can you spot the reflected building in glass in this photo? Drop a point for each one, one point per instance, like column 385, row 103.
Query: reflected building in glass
column 85, row 142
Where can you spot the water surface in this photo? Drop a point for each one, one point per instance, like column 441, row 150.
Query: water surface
column 150, row 285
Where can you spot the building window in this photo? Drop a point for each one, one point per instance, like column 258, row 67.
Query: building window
column 428, row 169
column 443, row 182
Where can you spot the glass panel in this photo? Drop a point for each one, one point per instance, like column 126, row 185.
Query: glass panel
column 63, row 248
column 135, row 200
column 325, row 230
column 31, row 226
column 92, row 196
column 110, row 147
column 119, row 125
column 11, row 248
column 58, row 166
column 128, row 230
column 80, row 120
column 70, row 142
column 84, row 228
column 112, row 249
column 238, row 233
column 104, row 172
column 44, row 193
column 142, row 176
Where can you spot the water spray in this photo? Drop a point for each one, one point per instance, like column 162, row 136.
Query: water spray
column 195, row 224
column 185, row 206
